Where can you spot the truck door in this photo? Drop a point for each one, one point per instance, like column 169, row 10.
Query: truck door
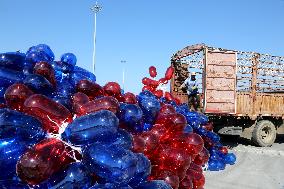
column 220, row 82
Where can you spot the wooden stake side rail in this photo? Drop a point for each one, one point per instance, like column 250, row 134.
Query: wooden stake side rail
column 265, row 104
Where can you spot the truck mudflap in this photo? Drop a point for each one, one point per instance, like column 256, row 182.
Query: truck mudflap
column 231, row 131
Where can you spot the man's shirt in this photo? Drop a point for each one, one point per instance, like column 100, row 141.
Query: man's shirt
column 191, row 86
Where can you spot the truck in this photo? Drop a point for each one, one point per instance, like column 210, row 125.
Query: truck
column 242, row 93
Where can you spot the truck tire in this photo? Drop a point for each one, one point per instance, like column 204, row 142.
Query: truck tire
column 264, row 133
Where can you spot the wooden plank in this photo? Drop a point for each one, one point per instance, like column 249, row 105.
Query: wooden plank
column 244, row 105
column 220, row 96
column 220, row 84
column 255, row 62
column 220, row 71
column 220, row 107
column 220, row 58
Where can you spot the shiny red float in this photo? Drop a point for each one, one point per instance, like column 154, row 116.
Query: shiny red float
column 16, row 95
column 43, row 160
column 50, row 113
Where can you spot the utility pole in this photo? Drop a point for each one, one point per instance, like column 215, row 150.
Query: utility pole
column 123, row 62
column 96, row 8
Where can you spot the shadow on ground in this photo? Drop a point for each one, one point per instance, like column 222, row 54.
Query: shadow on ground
column 280, row 139
column 233, row 141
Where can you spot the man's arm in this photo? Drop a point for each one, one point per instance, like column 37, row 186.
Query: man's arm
column 183, row 84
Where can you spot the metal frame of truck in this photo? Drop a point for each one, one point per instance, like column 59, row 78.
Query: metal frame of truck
column 241, row 92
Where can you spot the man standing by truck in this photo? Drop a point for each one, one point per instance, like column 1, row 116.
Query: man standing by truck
column 192, row 90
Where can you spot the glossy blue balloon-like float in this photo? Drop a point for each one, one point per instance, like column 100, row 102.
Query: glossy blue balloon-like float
column 216, row 153
column 215, row 156
column 203, row 119
column 79, row 74
column 137, row 127
column 10, row 151
column 75, row 176
column 39, row 84
column 65, row 88
column 199, row 130
column 230, row 158
column 65, row 101
column 122, row 138
column 155, row 184
column 194, row 123
column 130, row 114
column 17, row 132
column 19, row 126
column 173, row 103
column 149, row 105
column 163, row 100
column 69, row 58
column 188, row 129
column 46, row 49
column 110, row 186
column 90, row 128
column 9, row 77
column 143, row 166
column 191, row 115
column 213, row 136
column 147, row 126
column 184, row 107
column 13, row 60
column 218, row 160
column 41, row 52
column 143, row 170
column 12, row 184
column 113, row 163
column 62, row 67
column 145, row 94
column 122, row 106
column 216, row 165
column 2, row 93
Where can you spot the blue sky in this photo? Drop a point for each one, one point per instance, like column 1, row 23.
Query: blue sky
column 142, row 32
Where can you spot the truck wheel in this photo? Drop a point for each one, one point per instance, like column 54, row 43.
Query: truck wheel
column 264, row 133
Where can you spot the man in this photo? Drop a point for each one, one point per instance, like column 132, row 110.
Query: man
column 192, row 90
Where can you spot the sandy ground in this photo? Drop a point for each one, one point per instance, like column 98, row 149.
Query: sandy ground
column 256, row 168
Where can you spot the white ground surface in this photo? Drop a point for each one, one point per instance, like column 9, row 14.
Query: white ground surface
column 256, row 168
